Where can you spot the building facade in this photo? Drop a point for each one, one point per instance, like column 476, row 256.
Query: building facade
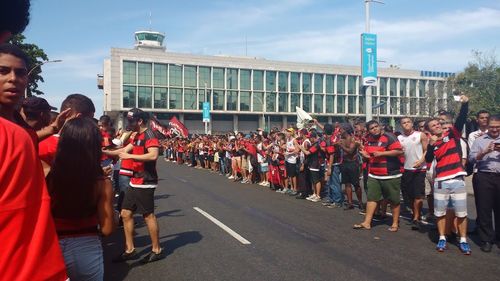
column 246, row 93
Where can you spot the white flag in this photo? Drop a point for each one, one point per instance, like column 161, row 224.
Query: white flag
column 302, row 117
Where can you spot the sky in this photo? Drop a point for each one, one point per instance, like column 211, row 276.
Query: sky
column 412, row 34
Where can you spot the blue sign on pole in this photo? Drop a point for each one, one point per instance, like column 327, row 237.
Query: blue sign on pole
column 206, row 112
column 369, row 59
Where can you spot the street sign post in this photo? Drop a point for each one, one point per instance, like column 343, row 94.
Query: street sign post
column 206, row 115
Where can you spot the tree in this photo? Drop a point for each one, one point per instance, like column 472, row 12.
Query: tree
column 36, row 56
column 480, row 80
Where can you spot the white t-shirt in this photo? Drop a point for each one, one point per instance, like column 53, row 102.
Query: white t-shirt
column 412, row 147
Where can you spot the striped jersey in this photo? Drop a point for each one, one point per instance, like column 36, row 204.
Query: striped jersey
column 384, row 167
column 447, row 152
column 145, row 175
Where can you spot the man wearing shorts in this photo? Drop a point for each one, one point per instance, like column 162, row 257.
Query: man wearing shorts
column 350, row 168
column 384, row 153
column 139, row 197
column 314, row 158
column 413, row 181
column 291, row 155
column 449, row 184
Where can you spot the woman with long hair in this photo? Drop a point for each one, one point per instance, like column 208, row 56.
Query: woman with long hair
column 81, row 199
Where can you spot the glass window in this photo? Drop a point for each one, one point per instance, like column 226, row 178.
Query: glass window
column 189, row 99
column 258, row 80
column 270, row 102
column 351, row 85
column 201, row 98
column 393, row 86
column 258, row 101
column 307, row 102
column 329, row 84
column 318, row 103
column 383, row 86
column 218, row 99
column 245, row 80
column 145, row 73
column 190, row 76
column 421, row 88
column 175, row 75
column 383, row 108
column 432, row 89
column 306, row 82
column 340, row 84
column 294, row 82
column 361, row 107
column 329, row 106
column 129, row 93
column 160, row 74
column 413, row 88
column 270, row 81
column 145, row 97
column 160, row 97
column 351, row 104
column 341, row 104
column 175, row 98
column 283, row 82
column 413, row 106
column 129, row 72
column 244, row 100
column 283, row 102
column 204, row 77
column 232, row 78
column 294, row 102
column 318, row 83
column 403, row 103
column 402, row 87
column 232, row 100
column 393, row 106
column 440, row 89
column 218, row 78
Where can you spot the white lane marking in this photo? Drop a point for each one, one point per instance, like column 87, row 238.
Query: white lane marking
column 181, row 179
column 223, row 226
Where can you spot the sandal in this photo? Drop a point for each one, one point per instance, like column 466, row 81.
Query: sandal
column 393, row 229
column 360, row 226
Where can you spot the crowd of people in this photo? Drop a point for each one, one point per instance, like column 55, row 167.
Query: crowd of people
column 426, row 161
column 58, row 172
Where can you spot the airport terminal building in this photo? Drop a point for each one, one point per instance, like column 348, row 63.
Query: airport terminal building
column 247, row 92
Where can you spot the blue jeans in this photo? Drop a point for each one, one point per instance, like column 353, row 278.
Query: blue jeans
column 334, row 186
column 83, row 257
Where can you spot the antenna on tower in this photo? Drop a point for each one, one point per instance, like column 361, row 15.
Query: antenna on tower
column 150, row 21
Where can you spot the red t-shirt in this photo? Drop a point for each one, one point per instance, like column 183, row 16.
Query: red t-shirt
column 47, row 149
column 145, row 175
column 30, row 247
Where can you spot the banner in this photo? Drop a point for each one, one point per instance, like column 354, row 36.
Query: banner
column 206, row 112
column 369, row 59
column 177, row 128
column 302, row 117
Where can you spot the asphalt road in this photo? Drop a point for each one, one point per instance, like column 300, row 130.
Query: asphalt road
column 289, row 239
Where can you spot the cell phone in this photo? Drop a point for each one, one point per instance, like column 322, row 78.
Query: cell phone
column 106, row 162
column 457, row 98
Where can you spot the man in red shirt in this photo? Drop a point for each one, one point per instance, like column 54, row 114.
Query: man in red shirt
column 30, row 248
column 384, row 153
column 139, row 197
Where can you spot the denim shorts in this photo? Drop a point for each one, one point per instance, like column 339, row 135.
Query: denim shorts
column 83, row 257
column 450, row 194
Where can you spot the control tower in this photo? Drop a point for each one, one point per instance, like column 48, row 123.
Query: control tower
column 149, row 40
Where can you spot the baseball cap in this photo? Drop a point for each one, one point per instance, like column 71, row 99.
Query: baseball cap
column 135, row 114
column 291, row 130
column 36, row 104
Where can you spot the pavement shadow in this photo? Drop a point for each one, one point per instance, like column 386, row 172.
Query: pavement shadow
column 162, row 196
column 168, row 213
column 179, row 240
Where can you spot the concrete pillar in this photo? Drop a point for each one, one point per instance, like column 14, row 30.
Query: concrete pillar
column 329, row 119
column 181, row 117
column 285, row 121
column 235, row 122
column 262, row 122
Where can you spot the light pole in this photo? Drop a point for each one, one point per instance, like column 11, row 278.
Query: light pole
column 37, row 65
column 368, row 89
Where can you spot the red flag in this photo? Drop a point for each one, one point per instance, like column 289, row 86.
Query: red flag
column 177, row 128
column 157, row 127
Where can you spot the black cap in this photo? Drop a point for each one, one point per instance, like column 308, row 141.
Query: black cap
column 36, row 104
column 135, row 114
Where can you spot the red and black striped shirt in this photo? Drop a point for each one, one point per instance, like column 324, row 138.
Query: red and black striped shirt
column 448, row 152
column 384, row 166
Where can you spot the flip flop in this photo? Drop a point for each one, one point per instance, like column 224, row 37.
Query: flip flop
column 393, row 229
column 360, row 226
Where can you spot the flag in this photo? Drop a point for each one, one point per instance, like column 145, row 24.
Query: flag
column 159, row 129
column 177, row 128
column 302, row 117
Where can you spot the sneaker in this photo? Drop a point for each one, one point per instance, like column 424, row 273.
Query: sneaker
column 301, row 196
column 316, row 199
column 441, row 245
column 334, row 206
column 151, row 257
column 415, row 225
column 279, row 190
column 293, row 193
column 311, row 196
column 230, row 177
column 465, row 248
column 126, row 256
column 349, row 207
column 326, row 203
